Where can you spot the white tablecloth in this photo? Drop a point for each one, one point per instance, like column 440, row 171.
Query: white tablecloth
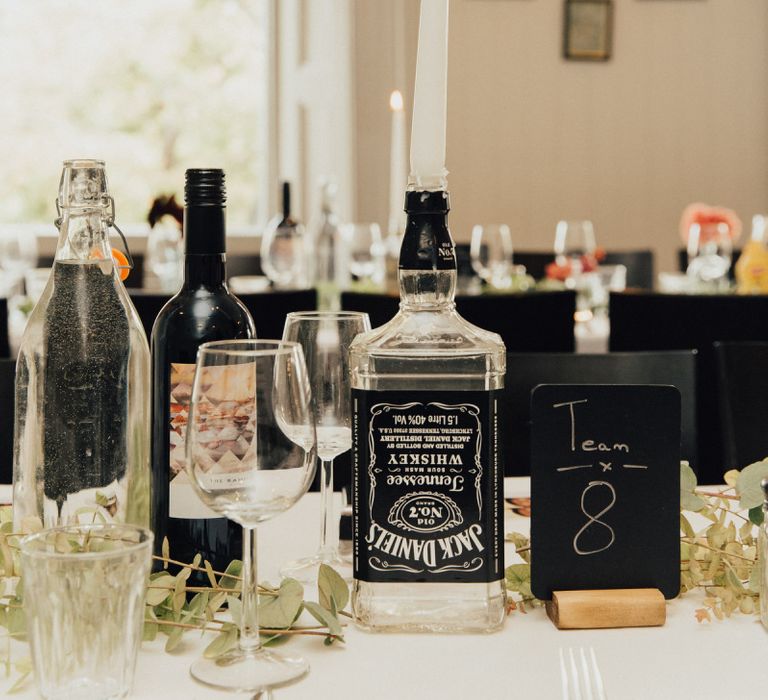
column 683, row 659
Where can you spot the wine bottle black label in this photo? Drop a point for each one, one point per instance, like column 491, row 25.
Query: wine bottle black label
column 427, row 486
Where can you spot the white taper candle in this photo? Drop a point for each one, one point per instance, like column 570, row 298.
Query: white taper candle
column 398, row 168
column 430, row 98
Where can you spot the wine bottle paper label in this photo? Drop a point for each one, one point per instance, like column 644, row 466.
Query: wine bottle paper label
column 218, row 423
column 427, row 487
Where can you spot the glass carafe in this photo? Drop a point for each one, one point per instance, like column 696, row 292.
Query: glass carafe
column 81, row 442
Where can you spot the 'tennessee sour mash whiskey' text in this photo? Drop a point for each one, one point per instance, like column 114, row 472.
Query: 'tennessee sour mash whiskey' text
column 427, row 474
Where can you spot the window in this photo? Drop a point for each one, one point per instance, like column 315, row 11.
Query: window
column 150, row 87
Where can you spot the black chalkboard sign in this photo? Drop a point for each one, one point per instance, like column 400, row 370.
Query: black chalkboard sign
column 605, row 488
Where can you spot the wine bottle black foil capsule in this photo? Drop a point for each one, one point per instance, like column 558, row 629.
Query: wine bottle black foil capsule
column 203, row 310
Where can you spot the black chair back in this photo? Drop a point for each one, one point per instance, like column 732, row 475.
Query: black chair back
column 268, row 309
column 646, row 322
column 526, row 371
column 530, row 322
column 743, row 402
column 535, row 261
column 5, row 348
column 7, row 403
column 239, row 264
column 148, row 305
column 135, row 279
column 639, row 264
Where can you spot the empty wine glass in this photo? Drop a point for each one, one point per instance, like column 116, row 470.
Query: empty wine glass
column 366, row 252
column 574, row 241
column 491, row 254
column 251, row 449
column 709, row 253
column 18, row 254
column 325, row 338
column 164, row 254
column 285, row 254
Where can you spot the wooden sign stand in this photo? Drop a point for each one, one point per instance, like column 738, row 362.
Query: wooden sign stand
column 598, row 609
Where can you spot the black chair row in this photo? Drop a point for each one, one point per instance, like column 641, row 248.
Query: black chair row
column 240, row 264
column 5, row 349
column 741, row 382
column 531, row 322
column 268, row 309
column 654, row 322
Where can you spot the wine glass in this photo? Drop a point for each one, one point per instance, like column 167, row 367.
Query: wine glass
column 365, row 248
column 574, row 240
column 491, row 254
column 164, row 255
column 325, row 338
column 251, row 449
column 710, row 251
column 285, row 254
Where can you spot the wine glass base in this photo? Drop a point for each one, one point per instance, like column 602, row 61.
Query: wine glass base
column 306, row 570
column 249, row 671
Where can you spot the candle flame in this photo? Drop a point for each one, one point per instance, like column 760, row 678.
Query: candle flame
column 396, row 101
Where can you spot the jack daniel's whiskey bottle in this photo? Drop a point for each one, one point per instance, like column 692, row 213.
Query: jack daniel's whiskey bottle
column 427, row 476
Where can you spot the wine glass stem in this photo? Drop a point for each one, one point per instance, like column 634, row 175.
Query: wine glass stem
column 249, row 619
column 329, row 527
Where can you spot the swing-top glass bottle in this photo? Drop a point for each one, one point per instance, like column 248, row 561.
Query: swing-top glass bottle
column 81, row 439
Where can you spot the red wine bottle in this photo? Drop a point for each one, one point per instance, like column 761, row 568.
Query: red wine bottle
column 204, row 310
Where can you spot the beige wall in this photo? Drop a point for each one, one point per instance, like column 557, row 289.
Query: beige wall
column 680, row 113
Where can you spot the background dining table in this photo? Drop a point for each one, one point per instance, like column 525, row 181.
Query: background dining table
column 682, row 659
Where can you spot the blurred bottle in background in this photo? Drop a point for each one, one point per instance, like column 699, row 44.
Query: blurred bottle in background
column 286, row 250
column 752, row 266
column 331, row 264
column 164, row 249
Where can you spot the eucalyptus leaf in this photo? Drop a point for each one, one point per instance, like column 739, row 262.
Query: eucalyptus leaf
column 756, row 515
column 688, row 499
column 155, row 595
column 748, row 484
column 31, row 524
column 325, row 617
column 517, row 575
column 279, row 611
column 210, row 574
column 20, row 682
column 333, row 591
column 235, row 606
column 174, row 638
column 166, row 551
column 228, row 580
column 217, row 601
column 225, row 641
column 275, row 640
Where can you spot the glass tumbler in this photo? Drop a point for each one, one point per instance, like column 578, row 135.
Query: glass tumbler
column 84, row 588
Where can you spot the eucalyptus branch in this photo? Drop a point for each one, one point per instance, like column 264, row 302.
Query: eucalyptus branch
column 175, row 562
column 692, row 541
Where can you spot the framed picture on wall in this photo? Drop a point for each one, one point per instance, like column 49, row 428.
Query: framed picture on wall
column 588, row 34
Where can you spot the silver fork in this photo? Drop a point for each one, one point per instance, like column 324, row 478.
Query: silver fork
column 580, row 676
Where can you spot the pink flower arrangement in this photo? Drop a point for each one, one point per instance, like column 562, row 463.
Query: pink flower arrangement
column 711, row 220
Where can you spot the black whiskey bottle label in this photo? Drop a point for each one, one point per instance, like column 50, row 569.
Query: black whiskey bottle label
column 427, row 487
